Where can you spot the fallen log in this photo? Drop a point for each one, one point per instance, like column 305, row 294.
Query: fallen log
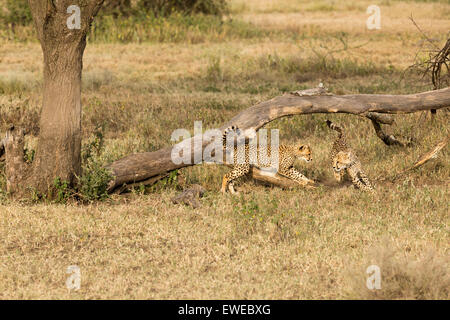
column 143, row 166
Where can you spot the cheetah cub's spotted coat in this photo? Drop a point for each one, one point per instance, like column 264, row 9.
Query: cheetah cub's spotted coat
column 344, row 160
column 287, row 154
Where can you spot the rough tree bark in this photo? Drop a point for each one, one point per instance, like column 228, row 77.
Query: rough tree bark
column 149, row 166
column 59, row 146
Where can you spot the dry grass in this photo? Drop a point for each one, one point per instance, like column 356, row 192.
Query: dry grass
column 267, row 243
column 404, row 276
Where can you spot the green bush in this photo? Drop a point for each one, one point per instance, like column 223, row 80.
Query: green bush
column 62, row 190
column 163, row 7
column 93, row 183
column 131, row 21
column 116, row 7
column 167, row 7
column 16, row 12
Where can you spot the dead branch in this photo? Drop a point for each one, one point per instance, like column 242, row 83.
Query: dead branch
column 377, row 119
column 389, row 140
column 437, row 64
column 432, row 154
column 380, row 118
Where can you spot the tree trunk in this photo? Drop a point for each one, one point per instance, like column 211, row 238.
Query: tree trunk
column 61, row 27
column 59, row 147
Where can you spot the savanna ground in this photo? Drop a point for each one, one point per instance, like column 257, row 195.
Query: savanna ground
column 142, row 83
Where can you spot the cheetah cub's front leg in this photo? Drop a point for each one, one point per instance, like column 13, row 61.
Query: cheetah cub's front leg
column 339, row 175
column 359, row 179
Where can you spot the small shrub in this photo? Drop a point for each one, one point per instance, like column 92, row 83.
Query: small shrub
column 62, row 189
column 29, row 155
column 93, row 183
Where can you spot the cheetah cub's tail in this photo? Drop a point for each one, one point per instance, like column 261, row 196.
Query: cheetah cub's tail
column 334, row 126
column 233, row 129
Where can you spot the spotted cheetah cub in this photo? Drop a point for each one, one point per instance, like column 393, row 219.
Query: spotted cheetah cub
column 344, row 161
column 287, row 154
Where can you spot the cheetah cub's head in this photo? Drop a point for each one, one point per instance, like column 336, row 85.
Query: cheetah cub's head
column 343, row 160
column 304, row 152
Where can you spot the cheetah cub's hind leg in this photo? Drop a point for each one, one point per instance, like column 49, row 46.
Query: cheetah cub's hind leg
column 293, row 174
column 238, row 171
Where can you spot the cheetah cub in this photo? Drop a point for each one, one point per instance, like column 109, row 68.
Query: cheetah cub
column 344, row 161
column 287, row 154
